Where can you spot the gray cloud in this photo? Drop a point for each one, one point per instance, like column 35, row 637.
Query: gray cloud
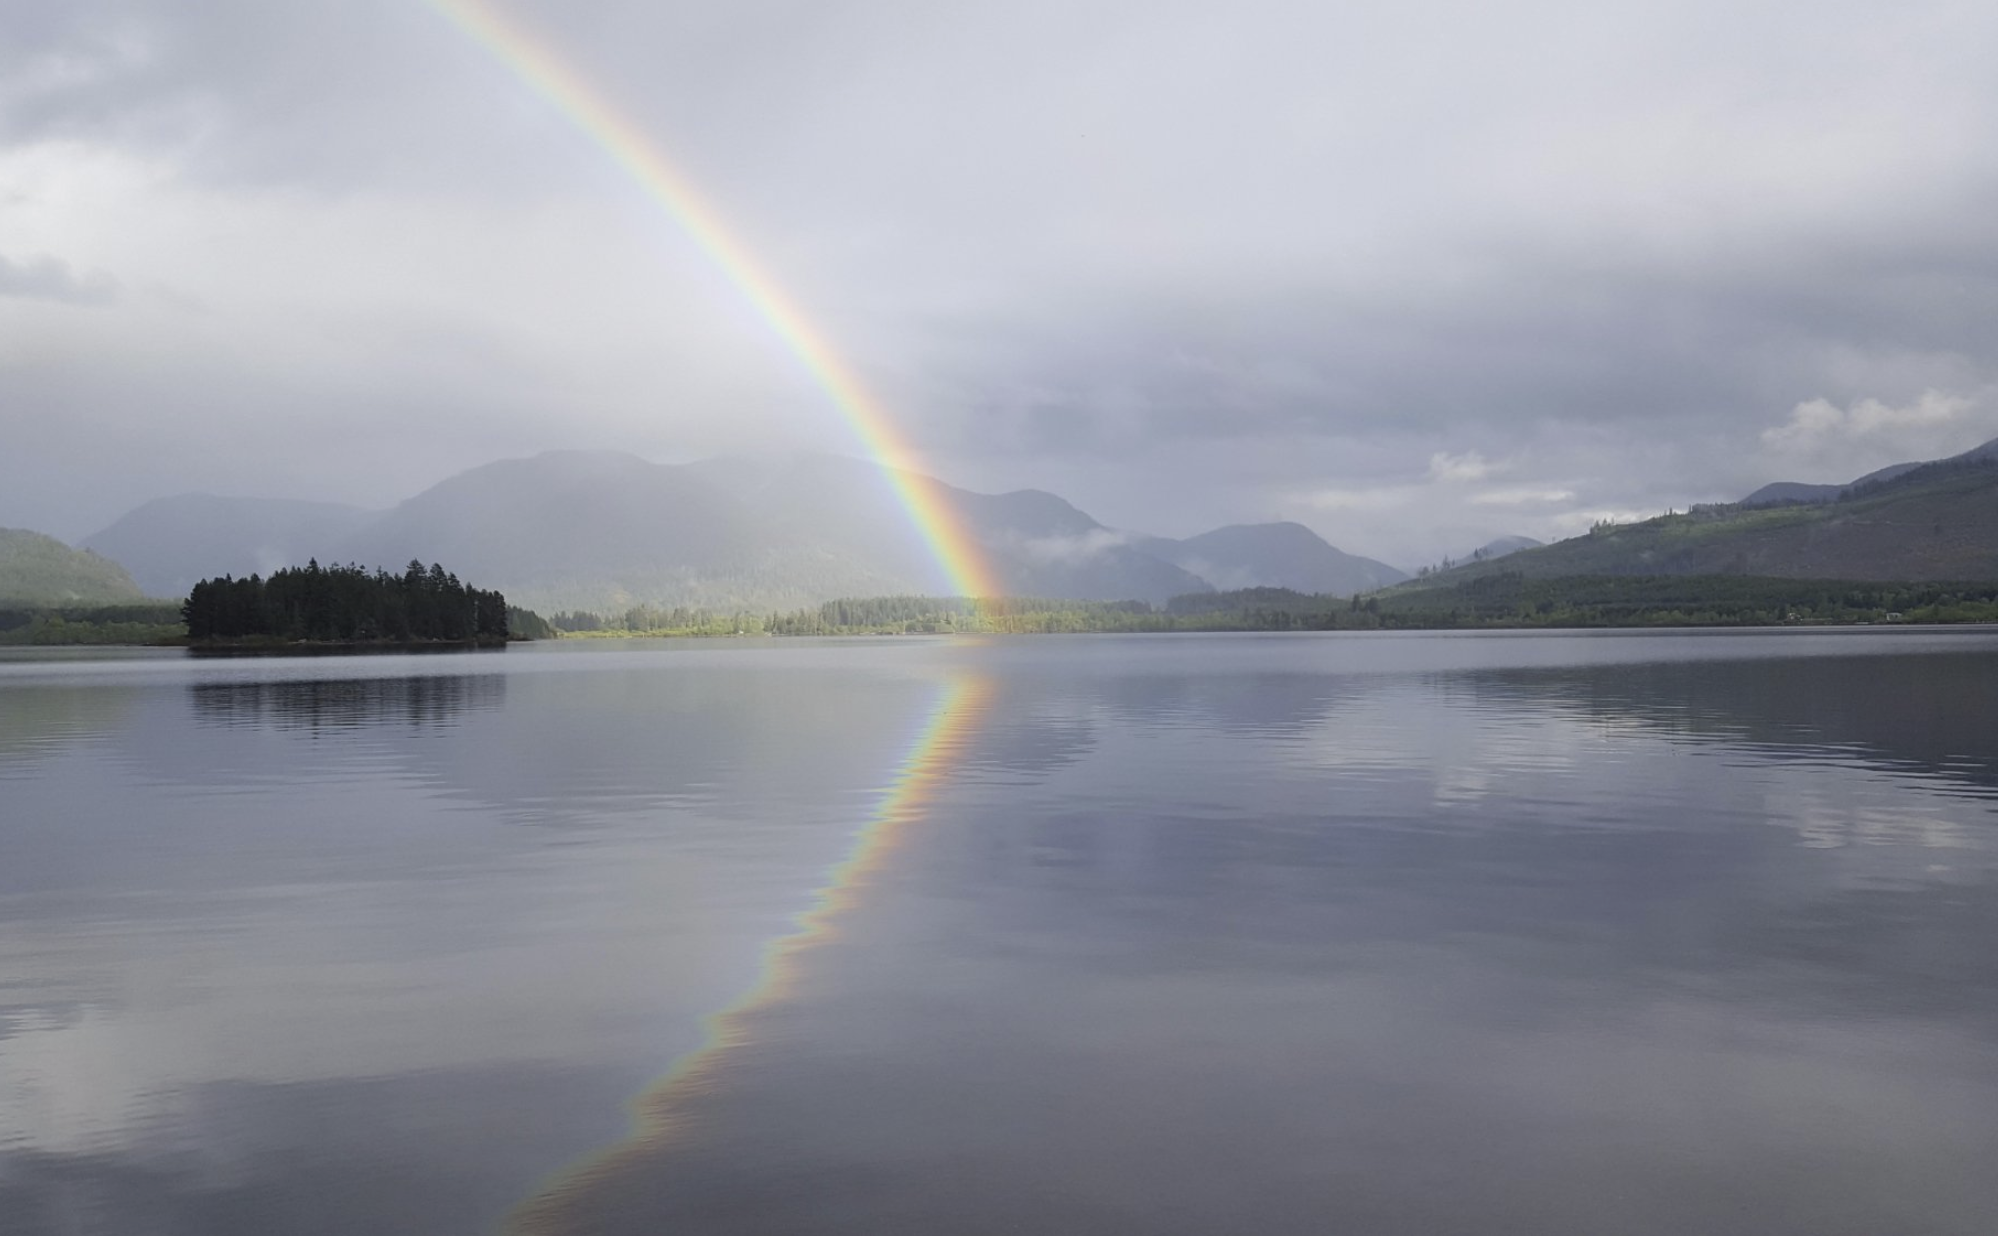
column 1183, row 268
column 47, row 278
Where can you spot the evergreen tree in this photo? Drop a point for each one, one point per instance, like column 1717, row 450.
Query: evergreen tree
column 346, row 604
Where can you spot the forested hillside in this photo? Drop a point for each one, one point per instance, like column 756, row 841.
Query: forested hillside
column 37, row 570
column 1935, row 522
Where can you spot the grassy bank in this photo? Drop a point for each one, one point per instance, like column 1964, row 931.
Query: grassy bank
column 151, row 622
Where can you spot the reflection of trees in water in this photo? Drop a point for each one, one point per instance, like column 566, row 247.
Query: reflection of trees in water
column 38, row 720
column 1933, row 714
column 347, row 703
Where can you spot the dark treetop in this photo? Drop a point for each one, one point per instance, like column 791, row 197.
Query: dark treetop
column 346, row 604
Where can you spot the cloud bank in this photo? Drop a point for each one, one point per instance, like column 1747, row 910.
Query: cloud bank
column 1414, row 276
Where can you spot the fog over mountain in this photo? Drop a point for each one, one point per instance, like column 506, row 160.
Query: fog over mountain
column 170, row 543
column 1406, row 276
column 604, row 530
column 1280, row 555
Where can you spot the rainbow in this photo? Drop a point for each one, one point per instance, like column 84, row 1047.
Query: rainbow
column 959, row 554
column 657, row 1114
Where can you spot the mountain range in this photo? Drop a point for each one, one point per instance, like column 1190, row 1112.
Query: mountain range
column 1922, row 521
column 604, row 531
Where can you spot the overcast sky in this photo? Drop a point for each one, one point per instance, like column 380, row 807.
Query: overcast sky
column 1414, row 274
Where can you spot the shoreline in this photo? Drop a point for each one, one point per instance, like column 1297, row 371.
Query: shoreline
column 256, row 648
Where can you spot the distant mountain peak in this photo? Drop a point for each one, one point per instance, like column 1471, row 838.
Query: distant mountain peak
column 1778, row 493
column 171, row 543
column 1284, row 554
column 1499, row 547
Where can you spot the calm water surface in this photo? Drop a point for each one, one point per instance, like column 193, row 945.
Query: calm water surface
column 1551, row 934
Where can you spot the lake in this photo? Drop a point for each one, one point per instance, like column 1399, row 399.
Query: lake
column 1432, row 933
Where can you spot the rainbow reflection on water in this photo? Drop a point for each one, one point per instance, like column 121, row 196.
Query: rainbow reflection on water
column 938, row 749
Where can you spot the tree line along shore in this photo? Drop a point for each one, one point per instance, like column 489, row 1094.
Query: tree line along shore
column 1502, row 601
column 346, row 607
column 295, row 608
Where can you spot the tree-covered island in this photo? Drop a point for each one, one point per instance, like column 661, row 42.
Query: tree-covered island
column 348, row 606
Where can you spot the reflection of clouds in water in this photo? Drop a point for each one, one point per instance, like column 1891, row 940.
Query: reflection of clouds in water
column 421, row 1154
column 1084, row 1079
column 71, row 1082
column 1467, row 747
column 1364, row 726
column 1423, row 808
column 1877, row 810
column 126, row 1017
column 1850, row 754
column 1479, row 750
column 311, row 904
column 1490, row 921
column 1463, row 783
